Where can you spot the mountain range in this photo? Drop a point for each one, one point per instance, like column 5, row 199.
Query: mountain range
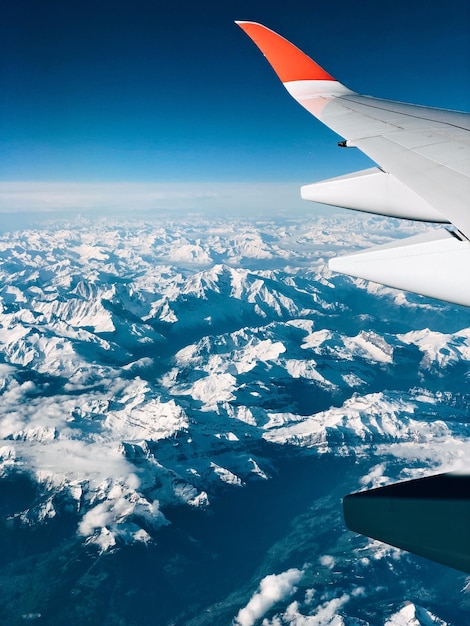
column 156, row 373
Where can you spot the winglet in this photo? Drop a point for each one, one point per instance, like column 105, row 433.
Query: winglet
column 289, row 63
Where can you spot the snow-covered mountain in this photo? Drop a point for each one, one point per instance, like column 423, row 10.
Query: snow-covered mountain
column 149, row 368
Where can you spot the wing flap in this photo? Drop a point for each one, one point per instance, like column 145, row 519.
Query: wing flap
column 372, row 191
column 433, row 265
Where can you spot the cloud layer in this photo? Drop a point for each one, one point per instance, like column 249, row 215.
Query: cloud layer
column 130, row 197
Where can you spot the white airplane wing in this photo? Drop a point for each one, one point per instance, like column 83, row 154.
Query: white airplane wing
column 423, row 156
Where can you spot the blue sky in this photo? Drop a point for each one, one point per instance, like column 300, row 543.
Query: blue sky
column 145, row 91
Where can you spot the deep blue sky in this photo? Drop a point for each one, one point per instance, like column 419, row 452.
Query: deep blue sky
column 174, row 91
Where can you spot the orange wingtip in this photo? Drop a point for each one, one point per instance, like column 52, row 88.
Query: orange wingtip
column 287, row 60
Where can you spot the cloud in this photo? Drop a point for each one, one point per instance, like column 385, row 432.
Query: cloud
column 74, row 456
column 375, row 477
column 40, row 196
column 325, row 615
column 272, row 589
column 327, row 561
column 443, row 454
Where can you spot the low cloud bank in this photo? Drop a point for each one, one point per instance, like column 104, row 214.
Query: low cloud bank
column 37, row 196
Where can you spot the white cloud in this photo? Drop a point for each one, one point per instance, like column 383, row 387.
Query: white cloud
column 445, row 454
column 327, row 561
column 375, row 476
column 75, row 457
column 325, row 615
column 272, row 589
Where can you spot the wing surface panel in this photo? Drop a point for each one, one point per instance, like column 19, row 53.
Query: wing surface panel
column 442, row 186
column 430, row 157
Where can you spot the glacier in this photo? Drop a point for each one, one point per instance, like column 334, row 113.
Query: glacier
column 192, row 397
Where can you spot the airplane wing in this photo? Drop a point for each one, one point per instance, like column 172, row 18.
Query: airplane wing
column 423, row 173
